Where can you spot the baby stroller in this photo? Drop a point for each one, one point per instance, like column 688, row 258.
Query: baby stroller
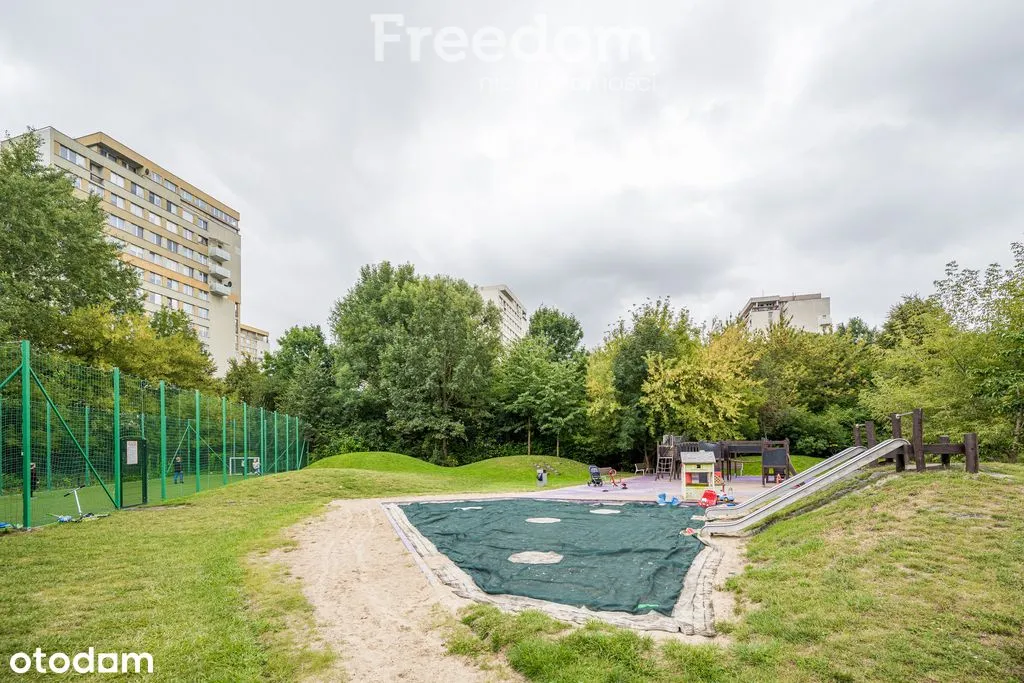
column 595, row 477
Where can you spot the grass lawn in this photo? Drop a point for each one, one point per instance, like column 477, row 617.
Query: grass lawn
column 174, row 580
column 918, row 579
column 752, row 463
column 915, row 579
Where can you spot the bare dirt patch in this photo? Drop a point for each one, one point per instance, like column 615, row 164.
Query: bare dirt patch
column 372, row 604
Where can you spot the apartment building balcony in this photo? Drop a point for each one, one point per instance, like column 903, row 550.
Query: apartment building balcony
column 219, row 255
column 219, row 272
column 219, row 289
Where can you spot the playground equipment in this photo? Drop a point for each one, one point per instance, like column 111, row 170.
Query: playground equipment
column 738, row 526
column 917, row 448
column 724, row 512
column 672, row 447
column 697, row 463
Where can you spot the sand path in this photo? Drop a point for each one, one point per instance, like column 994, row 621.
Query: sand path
column 371, row 601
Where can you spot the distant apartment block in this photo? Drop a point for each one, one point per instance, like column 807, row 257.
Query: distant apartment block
column 253, row 342
column 515, row 321
column 184, row 243
column 810, row 312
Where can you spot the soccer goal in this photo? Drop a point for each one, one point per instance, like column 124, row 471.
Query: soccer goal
column 236, row 466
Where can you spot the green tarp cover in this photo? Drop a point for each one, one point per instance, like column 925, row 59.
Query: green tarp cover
column 632, row 561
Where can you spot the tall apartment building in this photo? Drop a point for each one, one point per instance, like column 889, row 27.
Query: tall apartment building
column 184, row 243
column 253, row 342
column 515, row 321
column 809, row 312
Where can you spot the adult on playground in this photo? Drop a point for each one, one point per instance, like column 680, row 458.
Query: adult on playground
column 179, row 474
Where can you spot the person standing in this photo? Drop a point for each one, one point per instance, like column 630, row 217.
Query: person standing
column 33, row 480
column 179, row 474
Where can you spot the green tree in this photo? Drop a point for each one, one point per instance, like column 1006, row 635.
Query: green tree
column 246, row 382
column 438, row 370
column 562, row 405
column 100, row 336
column 521, row 378
column 54, row 256
column 561, row 331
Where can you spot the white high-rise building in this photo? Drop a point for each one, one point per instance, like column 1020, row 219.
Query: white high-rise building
column 515, row 321
column 809, row 312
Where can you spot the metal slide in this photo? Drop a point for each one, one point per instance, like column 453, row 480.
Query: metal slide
column 732, row 511
column 736, row 527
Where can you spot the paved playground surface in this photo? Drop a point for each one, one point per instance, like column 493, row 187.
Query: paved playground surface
column 646, row 489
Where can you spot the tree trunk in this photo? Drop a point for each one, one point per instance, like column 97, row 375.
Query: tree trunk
column 1017, row 428
column 529, row 434
column 558, row 447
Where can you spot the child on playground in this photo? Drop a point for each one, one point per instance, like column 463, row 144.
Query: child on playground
column 179, row 475
column 34, row 481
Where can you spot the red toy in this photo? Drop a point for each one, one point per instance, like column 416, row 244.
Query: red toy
column 708, row 499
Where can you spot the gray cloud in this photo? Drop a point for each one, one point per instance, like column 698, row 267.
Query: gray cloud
column 849, row 147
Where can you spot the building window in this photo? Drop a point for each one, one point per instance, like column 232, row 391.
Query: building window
column 188, row 308
column 203, row 294
column 76, row 181
column 202, row 277
column 153, row 218
column 116, row 179
column 188, row 234
column 187, row 289
column 137, row 210
column 187, row 216
column 203, row 223
column 203, row 332
column 154, row 198
column 73, row 156
column 117, row 201
column 172, row 284
column 155, row 177
column 154, row 278
column 204, row 313
column 153, row 298
column 186, row 195
column 171, row 227
column 173, row 246
column 115, row 221
column 170, row 186
column 138, row 191
column 172, row 207
column 135, row 251
column 96, row 190
column 154, row 238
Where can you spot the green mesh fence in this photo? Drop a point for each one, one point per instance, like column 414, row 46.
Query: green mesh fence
column 117, row 440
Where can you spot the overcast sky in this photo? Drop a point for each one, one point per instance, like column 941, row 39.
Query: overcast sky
column 741, row 148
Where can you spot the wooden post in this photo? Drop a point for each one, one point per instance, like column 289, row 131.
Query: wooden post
column 917, row 440
column 856, row 435
column 869, row 426
column 971, row 452
column 945, row 456
column 897, row 433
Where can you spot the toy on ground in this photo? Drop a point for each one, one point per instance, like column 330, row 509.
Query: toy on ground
column 708, row 498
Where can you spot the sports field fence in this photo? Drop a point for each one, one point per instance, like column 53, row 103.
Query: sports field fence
column 120, row 441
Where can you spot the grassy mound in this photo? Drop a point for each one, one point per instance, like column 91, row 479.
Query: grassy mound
column 512, row 471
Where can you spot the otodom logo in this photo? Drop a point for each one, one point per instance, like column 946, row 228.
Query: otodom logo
column 87, row 662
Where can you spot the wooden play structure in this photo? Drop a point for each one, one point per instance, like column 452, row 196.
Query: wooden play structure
column 774, row 455
column 918, row 449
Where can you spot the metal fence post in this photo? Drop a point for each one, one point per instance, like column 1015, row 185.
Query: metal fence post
column 275, row 443
column 199, row 444
column 87, row 444
column 287, row 446
column 26, row 436
column 49, row 450
column 224, row 437
column 245, row 439
column 116, row 434
column 263, row 440
column 163, row 441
